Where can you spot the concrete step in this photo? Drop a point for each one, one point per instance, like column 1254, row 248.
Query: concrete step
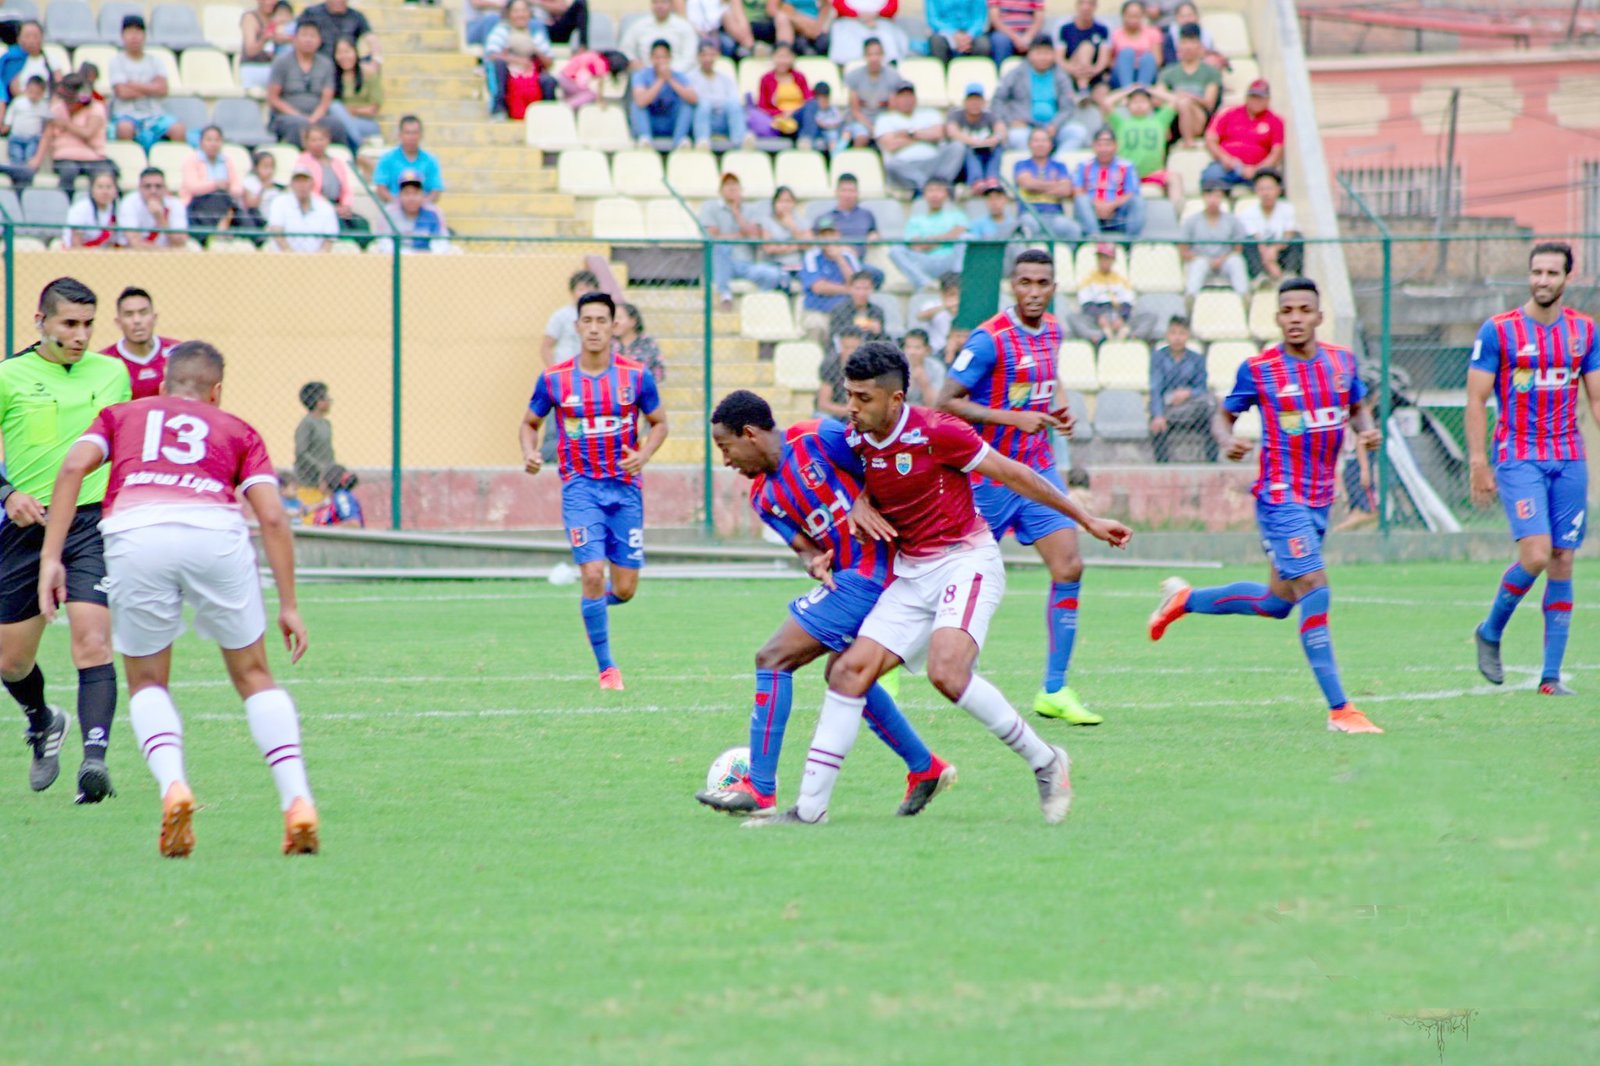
column 438, row 111
column 517, row 158
column 439, row 39
column 450, row 86
column 500, row 226
column 385, row 19
column 510, row 204
column 481, row 134
column 406, row 64
column 467, row 178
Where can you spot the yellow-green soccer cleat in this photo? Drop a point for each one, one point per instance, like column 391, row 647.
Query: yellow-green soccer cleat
column 891, row 683
column 1064, row 704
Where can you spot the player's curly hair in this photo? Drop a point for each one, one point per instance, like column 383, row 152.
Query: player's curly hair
column 743, row 408
column 880, row 361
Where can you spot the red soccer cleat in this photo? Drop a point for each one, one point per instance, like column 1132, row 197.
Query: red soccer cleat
column 921, row 788
column 740, row 797
column 611, row 679
column 1174, row 604
column 1349, row 720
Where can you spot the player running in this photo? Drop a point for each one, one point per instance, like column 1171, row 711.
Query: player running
column 1004, row 381
column 600, row 397
column 174, row 533
column 49, row 393
column 948, row 577
column 1531, row 359
column 1306, row 391
column 805, row 482
column 144, row 353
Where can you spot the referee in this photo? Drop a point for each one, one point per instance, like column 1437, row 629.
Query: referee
column 49, row 394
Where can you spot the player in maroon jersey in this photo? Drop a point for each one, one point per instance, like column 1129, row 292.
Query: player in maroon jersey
column 948, row 576
column 174, row 532
column 144, row 353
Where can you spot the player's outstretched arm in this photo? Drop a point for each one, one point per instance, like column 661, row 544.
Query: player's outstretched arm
column 81, row 461
column 1026, row 483
column 278, row 543
column 532, row 441
column 1475, row 424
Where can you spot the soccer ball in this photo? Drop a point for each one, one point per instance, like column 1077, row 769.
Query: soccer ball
column 727, row 768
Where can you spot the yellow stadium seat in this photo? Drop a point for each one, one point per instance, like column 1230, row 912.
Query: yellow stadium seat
column 100, row 55
column 637, row 172
column 668, row 220
column 1263, row 317
column 28, row 244
column 129, row 157
column 1075, row 366
column 1083, row 264
column 208, row 73
column 1237, row 79
column 805, row 173
column 551, row 127
column 751, row 72
column 1222, row 363
column 618, row 218
column 821, row 68
column 1156, row 268
column 927, row 74
column 604, row 128
column 1124, row 365
column 1248, row 425
column 284, row 156
column 235, row 245
column 754, row 171
column 344, row 248
column 692, row 174
column 169, row 158
column 220, row 25
column 1218, row 315
column 795, row 364
column 1228, row 32
column 1187, row 163
column 964, row 71
column 240, row 156
column 765, row 316
column 583, row 172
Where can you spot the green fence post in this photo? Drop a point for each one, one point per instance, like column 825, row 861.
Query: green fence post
column 11, row 287
column 1384, row 349
column 395, row 509
column 708, row 305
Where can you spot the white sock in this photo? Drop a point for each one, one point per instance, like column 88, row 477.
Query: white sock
column 985, row 703
column 837, row 727
column 159, row 731
column 276, row 727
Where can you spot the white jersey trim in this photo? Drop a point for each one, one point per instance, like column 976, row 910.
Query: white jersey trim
column 977, row 460
column 222, row 516
column 156, row 348
column 259, row 479
column 894, row 435
column 98, row 441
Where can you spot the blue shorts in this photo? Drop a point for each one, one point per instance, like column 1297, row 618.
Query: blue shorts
column 833, row 616
column 1545, row 499
column 1006, row 512
column 1291, row 535
column 147, row 131
column 604, row 520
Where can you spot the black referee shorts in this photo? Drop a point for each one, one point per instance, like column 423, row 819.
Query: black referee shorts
column 84, row 556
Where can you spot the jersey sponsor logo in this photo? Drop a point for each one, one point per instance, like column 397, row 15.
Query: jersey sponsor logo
column 1526, row 509
column 1316, row 420
column 879, row 463
column 598, row 426
column 913, row 436
column 823, row 519
column 579, row 535
column 814, row 475
column 1023, row 393
column 1527, row 379
column 902, row 463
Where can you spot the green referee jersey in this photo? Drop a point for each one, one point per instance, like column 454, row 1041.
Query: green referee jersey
column 44, row 409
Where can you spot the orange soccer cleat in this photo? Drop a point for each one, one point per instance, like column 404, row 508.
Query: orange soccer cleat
column 1349, row 720
column 177, row 821
column 1174, row 602
column 611, row 679
column 300, row 828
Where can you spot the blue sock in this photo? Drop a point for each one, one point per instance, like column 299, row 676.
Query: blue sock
column 612, row 599
column 594, row 623
column 1557, row 620
column 1242, row 597
column 1318, row 644
column 1061, row 623
column 774, row 695
column 1514, row 584
column 891, row 727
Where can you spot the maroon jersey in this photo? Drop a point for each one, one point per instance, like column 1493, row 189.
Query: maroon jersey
column 917, row 477
column 177, row 460
column 144, row 374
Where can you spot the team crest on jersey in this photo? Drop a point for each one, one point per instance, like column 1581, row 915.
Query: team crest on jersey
column 813, row 475
column 1291, row 422
column 579, row 535
column 902, row 463
column 1525, row 509
column 1341, row 382
column 1297, row 547
column 625, row 394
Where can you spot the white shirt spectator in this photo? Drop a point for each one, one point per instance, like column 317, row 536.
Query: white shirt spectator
column 718, row 90
column 674, row 29
column 891, row 121
column 285, row 214
column 252, row 185
column 563, row 326
column 705, row 16
column 847, row 38
column 90, row 227
column 136, row 215
column 146, row 68
column 1271, row 227
column 27, row 117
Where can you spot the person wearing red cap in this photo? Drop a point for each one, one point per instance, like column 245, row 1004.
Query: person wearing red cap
column 1245, row 139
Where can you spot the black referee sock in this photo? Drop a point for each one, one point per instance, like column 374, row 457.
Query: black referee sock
column 30, row 693
column 97, row 705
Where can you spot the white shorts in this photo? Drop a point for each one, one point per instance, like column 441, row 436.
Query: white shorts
column 959, row 591
column 154, row 569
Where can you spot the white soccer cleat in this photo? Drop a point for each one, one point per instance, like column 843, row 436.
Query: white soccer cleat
column 1055, row 787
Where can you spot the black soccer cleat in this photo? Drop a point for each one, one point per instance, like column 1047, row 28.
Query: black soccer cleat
column 921, row 788
column 1489, row 658
column 46, row 745
column 94, row 782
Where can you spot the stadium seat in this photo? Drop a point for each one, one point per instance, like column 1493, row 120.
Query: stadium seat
column 1222, row 363
column 821, row 68
column 237, row 245
column 637, row 172
column 893, row 280
column 1083, row 263
column 220, row 25
column 100, row 55
column 1228, row 32
column 240, row 121
column 1008, row 164
column 795, row 364
column 668, row 220
column 1237, row 78
column 169, row 156
column 963, row 71
column 604, row 128
column 1218, row 315
column 22, row 9
column 57, row 55
column 109, row 28
column 602, row 31
column 583, row 172
column 1248, row 425
column 207, row 72
column 751, row 71
column 1075, row 367
column 927, row 74
column 754, row 170
column 1155, row 268
column 45, row 210
column 1125, row 365
column 765, row 316
column 10, row 206
column 1120, row 414
column 1070, row 160
column 28, row 244
column 189, row 110
column 628, row 20
column 69, row 23
column 890, row 215
column 1153, row 310
column 805, row 174
column 284, row 156
column 175, row 26
column 1187, row 163
column 240, row 156
column 618, row 218
column 339, row 247
column 1263, row 317
column 1193, row 207
column 551, row 127
column 692, row 174
column 1160, row 221
column 129, row 157
column 894, row 313
column 1083, row 424
column 866, row 165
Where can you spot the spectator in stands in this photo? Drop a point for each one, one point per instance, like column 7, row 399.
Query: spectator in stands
column 927, row 372
column 408, row 156
column 853, row 222
column 1185, row 15
column 581, row 76
column 263, row 35
column 1196, row 86
column 824, row 275
column 957, row 28
column 783, row 228
column 870, row 86
column 336, row 19
column 831, row 394
column 515, row 56
column 1108, row 197
column 1038, row 94
column 331, row 179
column 1271, row 220
column 560, row 341
column 24, row 60
column 1180, row 397
column 300, row 90
column 75, row 137
column 1143, row 132
column 858, row 310
column 138, row 85
column 638, row 44
column 1045, row 185
column 634, row 343
column 1360, row 502
column 938, row 313
column 313, row 437
column 784, row 100
column 828, row 119
column 300, row 220
column 982, row 134
column 999, row 221
column 212, row 187
column 565, row 21
column 932, row 238
column 1078, row 488
column 419, row 225
column 660, row 103
column 1136, row 47
column 719, row 106
column 725, row 218
column 93, row 220
column 480, row 16
column 854, row 27
column 1245, row 138
column 357, row 94
column 801, row 24
column 953, row 345
column 1105, row 297
column 724, row 24
column 1086, row 51
column 912, row 142
column 1211, row 244
column 1013, row 25
column 24, row 122
column 158, row 219
column 260, row 188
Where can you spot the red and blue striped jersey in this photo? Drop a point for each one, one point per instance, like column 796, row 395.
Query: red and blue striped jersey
column 1537, row 370
column 1304, row 404
column 818, row 478
column 599, row 415
column 1005, row 366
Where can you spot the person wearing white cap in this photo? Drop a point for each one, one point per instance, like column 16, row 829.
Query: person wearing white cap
column 301, row 220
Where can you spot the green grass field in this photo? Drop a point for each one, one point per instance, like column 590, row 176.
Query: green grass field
column 514, row 868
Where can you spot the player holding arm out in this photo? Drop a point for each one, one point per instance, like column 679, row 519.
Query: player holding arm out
column 1531, row 360
column 174, row 533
